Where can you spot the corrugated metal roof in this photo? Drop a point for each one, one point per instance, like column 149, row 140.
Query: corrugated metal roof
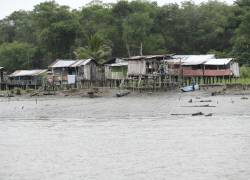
column 62, row 63
column 196, row 59
column 81, row 62
column 147, row 57
column 70, row 63
column 28, row 72
column 119, row 64
column 218, row 62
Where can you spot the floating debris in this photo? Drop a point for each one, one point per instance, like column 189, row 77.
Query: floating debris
column 244, row 97
column 206, row 105
column 209, row 114
column 206, row 100
column 197, row 114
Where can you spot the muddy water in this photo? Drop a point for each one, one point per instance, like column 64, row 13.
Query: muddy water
column 125, row 138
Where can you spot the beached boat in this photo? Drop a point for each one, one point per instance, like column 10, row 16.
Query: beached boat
column 122, row 93
column 190, row 88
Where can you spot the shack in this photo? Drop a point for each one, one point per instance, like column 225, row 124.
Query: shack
column 147, row 65
column 148, row 72
column 27, row 78
column 116, row 69
column 72, row 71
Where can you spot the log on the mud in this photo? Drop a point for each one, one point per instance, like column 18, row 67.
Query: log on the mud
column 206, row 105
column 189, row 114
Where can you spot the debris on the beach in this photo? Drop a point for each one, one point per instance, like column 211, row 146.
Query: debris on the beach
column 206, row 105
column 206, row 100
column 244, row 97
column 197, row 114
column 2, row 95
column 34, row 94
column 91, row 94
column 188, row 114
column 190, row 101
column 209, row 114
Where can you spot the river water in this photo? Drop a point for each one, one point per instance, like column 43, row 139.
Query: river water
column 129, row 138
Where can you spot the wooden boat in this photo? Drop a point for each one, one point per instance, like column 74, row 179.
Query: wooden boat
column 190, row 88
column 122, row 93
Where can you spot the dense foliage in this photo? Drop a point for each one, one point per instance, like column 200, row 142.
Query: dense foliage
column 33, row 39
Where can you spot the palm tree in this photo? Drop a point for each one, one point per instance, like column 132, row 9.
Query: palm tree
column 96, row 49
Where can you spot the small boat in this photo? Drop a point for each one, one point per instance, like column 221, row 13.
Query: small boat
column 190, row 88
column 123, row 93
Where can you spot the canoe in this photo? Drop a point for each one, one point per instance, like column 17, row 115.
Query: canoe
column 121, row 94
column 190, row 88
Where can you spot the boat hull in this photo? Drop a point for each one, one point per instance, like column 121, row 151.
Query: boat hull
column 190, row 88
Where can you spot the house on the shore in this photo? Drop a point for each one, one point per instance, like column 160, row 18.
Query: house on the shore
column 116, row 69
column 192, row 65
column 203, row 67
column 72, row 71
column 147, row 65
column 27, row 78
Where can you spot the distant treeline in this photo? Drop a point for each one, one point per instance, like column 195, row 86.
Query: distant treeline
column 33, row 39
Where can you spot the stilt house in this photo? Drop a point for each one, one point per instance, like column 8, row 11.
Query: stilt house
column 116, row 69
column 72, row 71
column 29, row 78
column 147, row 65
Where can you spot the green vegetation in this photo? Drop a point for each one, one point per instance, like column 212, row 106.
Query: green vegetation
column 34, row 39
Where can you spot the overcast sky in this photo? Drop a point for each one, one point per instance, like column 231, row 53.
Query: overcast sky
column 9, row 6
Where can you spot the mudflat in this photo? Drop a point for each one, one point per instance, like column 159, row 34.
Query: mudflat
column 133, row 137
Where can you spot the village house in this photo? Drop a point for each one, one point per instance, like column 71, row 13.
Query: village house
column 72, row 71
column 116, row 69
column 27, row 78
column 149, row 71
column 202, row 67
column 147, row 65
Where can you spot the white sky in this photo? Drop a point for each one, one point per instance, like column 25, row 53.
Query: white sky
column 9, row 6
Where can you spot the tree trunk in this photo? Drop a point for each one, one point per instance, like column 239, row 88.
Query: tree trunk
column 128, row 49
column 141, row 49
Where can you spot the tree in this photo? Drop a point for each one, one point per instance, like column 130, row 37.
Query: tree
column 97, row 49
column 16, row 55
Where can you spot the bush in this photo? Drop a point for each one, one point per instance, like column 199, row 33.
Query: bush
column 18, row 91
column 245, row 72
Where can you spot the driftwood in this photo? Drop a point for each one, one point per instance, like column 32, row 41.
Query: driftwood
column 206, row 105
column 244, row 97
column 205, row 100
column 209, row 114
column 197, row 114
column 188, row 114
